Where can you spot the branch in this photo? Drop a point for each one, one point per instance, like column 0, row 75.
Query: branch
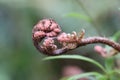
column 102, row 40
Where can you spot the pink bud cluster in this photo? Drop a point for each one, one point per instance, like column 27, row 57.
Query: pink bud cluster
column 43, row 32
column 71, row 38
column 68, row 38
column 39, row 34
column 100, row 50
column 104, row 52
column 46, row 31
column 46, row 28
column 48, row 44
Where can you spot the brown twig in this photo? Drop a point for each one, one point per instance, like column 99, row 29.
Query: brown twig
column 47, row 31
column 102, row 40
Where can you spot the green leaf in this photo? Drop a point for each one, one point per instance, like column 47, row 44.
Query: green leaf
column 78, row 15
column 103, row 77
column 78, row 57
column 83, row 75
column 116, row 71
column 109, row 63
column 116, row 36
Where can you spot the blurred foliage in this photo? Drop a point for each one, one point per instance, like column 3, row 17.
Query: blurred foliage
column 78, row 15
column 19, row 60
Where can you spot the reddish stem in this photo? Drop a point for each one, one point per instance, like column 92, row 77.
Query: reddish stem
column 83, row 42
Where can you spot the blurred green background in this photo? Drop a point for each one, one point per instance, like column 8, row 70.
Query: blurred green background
column 19, row 60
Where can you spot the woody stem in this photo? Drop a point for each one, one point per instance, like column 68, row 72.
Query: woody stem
column 102, row 40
